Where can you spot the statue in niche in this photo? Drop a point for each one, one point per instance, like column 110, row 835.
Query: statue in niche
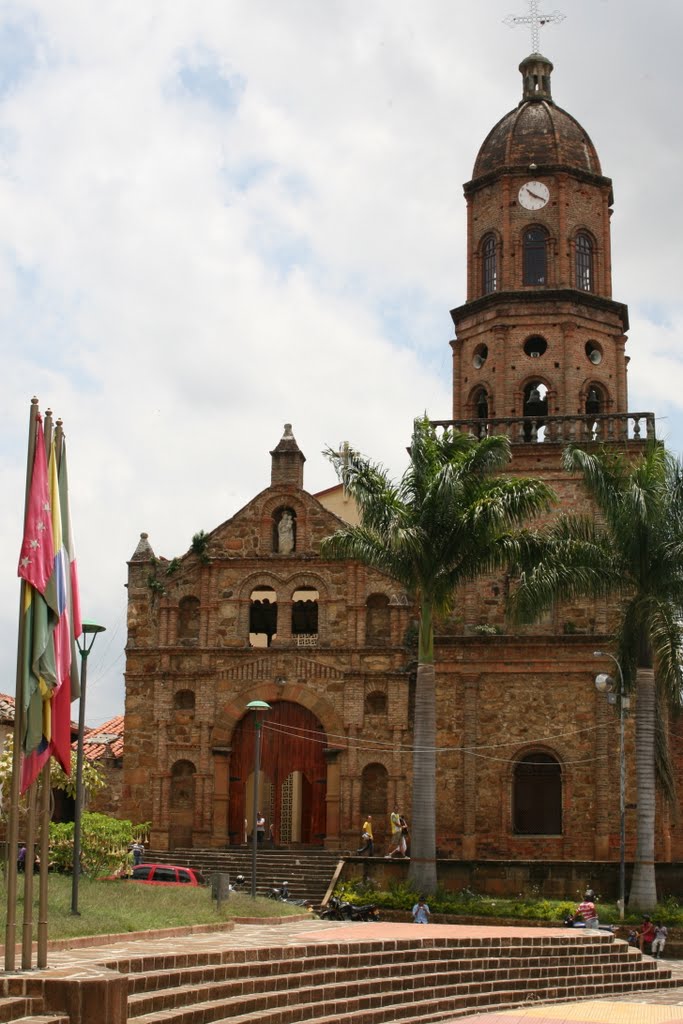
column 285, row 533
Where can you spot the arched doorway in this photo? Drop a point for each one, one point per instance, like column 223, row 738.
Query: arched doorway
column 292, row 780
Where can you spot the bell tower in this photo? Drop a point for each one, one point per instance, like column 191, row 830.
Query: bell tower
column 539, row 346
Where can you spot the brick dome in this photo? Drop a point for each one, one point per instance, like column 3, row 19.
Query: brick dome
column 537, row 131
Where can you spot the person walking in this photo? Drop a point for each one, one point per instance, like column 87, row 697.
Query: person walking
column 367, row 840
column 399, row 834
column 260, row 828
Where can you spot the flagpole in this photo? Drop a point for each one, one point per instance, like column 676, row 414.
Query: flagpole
column 29, row 860
column 44, row 864
column 13, row 823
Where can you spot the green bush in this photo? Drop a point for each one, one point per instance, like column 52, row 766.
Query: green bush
column 466, row 903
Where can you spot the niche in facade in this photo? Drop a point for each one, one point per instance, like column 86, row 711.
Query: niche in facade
column 262, row 617
column 376, row 703
column 305, row 612
column 184, row 700
column 374, row 788
column 182, row 784
column 284, row 531
column 377, row 621
column 188, row 618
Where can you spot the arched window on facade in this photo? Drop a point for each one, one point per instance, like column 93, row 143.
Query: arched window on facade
column 182, row 784
column 262, row 617
column 489, row 263
column 537, row 796
column 284, row 531
column 183, row 700
column 376, row 703
column 305, row 616
column 377, row 620
column 374, row 792
column 188, row 618
column 535, row 256
column 584, row 262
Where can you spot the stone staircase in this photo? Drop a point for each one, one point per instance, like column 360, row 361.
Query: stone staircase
column 308, row 872
column 412, row 981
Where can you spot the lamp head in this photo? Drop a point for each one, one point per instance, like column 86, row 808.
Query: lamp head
column 604, row 683
column 258, row 705
column 92, row 627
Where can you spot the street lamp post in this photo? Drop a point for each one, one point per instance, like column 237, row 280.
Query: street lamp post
column 90, row 630
column 605, row 684
column 257, row 706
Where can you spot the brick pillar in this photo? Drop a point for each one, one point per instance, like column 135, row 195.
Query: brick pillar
column 221, row 796
column 333, row 798
column 469, row 768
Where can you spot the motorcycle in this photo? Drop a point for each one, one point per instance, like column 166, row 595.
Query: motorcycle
column 281, row 894
column 339, row 910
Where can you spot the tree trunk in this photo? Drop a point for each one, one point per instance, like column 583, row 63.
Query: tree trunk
column 422, row 873
column 643, row 894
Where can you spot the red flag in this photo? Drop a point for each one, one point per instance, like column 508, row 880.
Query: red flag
column 37, row 557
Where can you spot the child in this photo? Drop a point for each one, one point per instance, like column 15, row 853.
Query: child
column 421, row 911
column 646, row 933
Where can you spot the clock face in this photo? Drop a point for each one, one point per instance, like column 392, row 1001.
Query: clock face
column 533, row 195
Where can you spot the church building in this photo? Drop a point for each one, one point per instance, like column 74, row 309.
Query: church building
column 527, row 747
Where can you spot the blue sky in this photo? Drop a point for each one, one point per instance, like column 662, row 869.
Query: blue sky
column 219, row 217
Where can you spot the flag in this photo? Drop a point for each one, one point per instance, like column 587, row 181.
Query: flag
column 73, row 593
column 36, row 559
column 39, row 670
column 60, row 599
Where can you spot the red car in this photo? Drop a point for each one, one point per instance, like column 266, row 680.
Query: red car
column 165, row 874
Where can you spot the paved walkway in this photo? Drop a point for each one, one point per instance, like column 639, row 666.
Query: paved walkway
column 665, row 1005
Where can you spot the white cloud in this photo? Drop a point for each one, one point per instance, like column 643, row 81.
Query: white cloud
column 222, row 216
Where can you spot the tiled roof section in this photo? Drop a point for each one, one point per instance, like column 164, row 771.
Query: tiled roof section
column 537, row 132
column 6, row 708
column 111, row 744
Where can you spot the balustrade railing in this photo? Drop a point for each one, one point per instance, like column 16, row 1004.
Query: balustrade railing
column 599, row 427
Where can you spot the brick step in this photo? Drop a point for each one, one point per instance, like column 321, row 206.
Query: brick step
column 13, row 1007
column 461, row 950
column 248, row 994
column 489, row 970
column 280, row 989
column 307, row 872
column 373, row 1008
column 340, row 955
column 41, row 1018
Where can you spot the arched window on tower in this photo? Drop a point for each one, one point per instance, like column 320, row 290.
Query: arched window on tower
column 537, row 796
column 489, row 259
column 584, row 262
column 535, row 410
column 535, row 256
column 480, row 411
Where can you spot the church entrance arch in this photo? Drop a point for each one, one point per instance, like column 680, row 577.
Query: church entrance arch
column 292, row 779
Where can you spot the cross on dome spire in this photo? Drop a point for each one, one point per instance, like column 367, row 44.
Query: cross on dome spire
column 536, row 19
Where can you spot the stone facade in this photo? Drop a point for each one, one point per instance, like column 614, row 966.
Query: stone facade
column 527, row 764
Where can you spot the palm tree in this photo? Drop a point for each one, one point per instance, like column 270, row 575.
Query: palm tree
column 633, row 551
column 448, row 520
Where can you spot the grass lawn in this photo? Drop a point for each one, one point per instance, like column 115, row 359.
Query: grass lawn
column 112, row 907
